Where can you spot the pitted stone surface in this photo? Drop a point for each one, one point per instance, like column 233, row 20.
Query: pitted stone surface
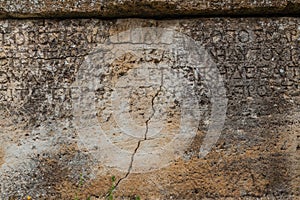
column 43, row 155
column 144, row 8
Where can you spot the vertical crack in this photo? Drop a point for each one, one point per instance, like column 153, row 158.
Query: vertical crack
column 152, row 105
column 153, row 111
column 145, row 135
column 130, row 165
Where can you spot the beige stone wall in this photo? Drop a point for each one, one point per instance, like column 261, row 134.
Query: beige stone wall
column 197, row 108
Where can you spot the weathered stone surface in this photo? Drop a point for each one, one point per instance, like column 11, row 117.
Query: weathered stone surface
column 144, row 8
column 59, row 87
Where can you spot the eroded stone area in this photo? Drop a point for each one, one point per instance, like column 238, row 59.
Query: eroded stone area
column 144, row 8
column 43, row 74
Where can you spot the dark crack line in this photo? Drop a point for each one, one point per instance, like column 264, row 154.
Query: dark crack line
column 145, row 136
column 153, row 111
column 152, row 105
column 130, row 166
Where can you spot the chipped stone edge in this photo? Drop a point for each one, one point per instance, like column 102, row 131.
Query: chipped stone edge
column 149, row 10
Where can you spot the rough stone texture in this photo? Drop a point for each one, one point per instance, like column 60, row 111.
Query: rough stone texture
column 41, row 154
column 144, row 8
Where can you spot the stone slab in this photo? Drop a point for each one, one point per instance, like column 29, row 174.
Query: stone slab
column 82, row 100
column 144, row 8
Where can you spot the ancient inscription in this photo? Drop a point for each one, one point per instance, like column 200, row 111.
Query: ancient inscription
column 69, row 87
column 40, row 58
column 259, row 61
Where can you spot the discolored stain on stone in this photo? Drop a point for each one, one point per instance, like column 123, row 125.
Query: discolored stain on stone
column 60, row 174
